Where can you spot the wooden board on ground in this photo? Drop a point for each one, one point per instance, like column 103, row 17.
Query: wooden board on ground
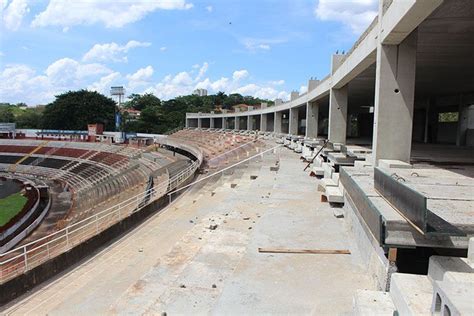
column 306, row 251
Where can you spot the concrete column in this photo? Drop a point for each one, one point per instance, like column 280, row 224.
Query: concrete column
column 199, row 122
column 463, row 118
column 293, row 128
column 337, row 128
column 187, row 123
column 237, row 123
column 394, row 100
column 277, row 122
column 312, row 115
column 211, row 122
column 250, row 123
column 427, row 122
column 263, row 122
column 224, row 123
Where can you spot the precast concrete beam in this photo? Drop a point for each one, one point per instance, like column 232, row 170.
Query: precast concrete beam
column 394, row 100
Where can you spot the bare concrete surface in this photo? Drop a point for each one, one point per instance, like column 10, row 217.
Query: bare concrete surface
column 200, row 255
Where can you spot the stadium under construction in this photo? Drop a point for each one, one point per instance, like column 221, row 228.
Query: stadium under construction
column 356, row 197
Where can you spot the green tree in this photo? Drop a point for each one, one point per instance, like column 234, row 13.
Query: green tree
column 73, row 110
column 29, row 118
column 140, row 102
column 6, row 114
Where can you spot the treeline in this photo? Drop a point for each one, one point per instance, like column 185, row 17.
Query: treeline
column 73, row 110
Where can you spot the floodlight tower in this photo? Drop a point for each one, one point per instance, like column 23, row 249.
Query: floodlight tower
column 118, row 91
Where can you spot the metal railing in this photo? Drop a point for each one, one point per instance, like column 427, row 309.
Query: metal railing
column 26, row 257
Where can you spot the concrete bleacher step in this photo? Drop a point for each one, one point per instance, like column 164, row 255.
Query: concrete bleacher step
column 439, row 265
column 334, row 194
column 325, row 183
column 318, row 171
column 411, row 294
column 367, row 302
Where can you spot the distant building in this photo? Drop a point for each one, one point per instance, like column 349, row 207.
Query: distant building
column 245, row 107
column 133, row 115
column 200, row 92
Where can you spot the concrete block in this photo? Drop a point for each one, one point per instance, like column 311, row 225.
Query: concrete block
column 438, row 266
column 318, row 171
column 328, row 170
column 453, row 295
column 361, row 163
column 387, row 163
column 334, row 195
column 411, row 294
column 368, row 302
column 335, row 178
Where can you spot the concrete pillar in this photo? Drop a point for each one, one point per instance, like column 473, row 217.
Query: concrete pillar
column 277, row 122
column 199, row 122
column 211, row 122
column 463, row 119
column 263, row 122
column 187, row 123
column 293, row 128
column 337, row 128
column 394, row 100
column 312, row 115
column 427, row 122
column 250, row 123
column 237, row 123
column 224, row 123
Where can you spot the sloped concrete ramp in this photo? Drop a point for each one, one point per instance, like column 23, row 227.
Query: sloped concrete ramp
column 200, row 255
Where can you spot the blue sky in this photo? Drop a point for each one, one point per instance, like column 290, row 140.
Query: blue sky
column 264, row 48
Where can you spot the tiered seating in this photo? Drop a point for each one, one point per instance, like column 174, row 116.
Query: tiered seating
column 95, row 173
column 220, row 148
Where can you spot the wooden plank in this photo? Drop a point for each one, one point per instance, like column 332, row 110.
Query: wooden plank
column 306, row 251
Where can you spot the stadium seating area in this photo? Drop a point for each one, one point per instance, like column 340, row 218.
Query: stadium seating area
column 93, row 173
column 221, row 148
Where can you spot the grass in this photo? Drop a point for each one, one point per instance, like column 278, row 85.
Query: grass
column 10, row 206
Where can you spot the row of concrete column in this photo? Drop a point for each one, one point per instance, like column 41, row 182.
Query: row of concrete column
column 393, row 100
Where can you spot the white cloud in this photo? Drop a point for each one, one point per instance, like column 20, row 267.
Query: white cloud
column 163, row 48
column 112, row 14
column 13, row 13
column 112, row 52
column 140, row 78
column 209, row 8
column 240, row 74
column 103, row 84
column 303, row 89
column 255, row 44
column 184, row 83
column 21, row 83
column 277, row 82
column 357, row 14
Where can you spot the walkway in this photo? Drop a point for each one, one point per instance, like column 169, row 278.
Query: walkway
column 175, row 263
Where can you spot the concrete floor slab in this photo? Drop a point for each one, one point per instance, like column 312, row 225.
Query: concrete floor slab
column 175, row 263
